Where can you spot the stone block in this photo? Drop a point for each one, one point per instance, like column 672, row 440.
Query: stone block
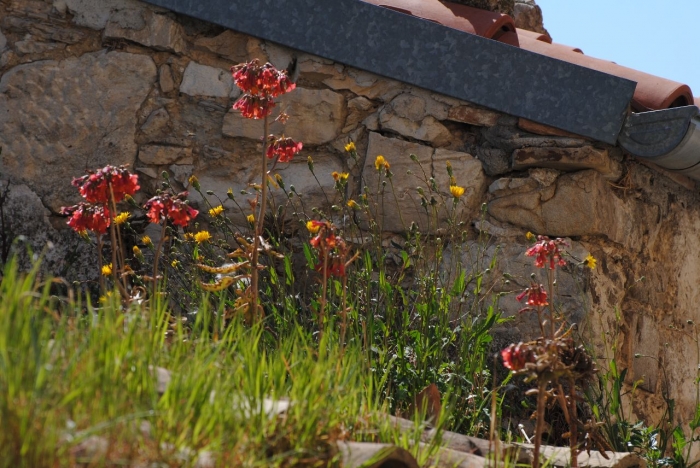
column 156, row 122
column 228, row 44
column 316, row 116
column 203, row 80
column 158, row 155
column 473, row 116
column 3, row 41
column 158, row 31
column 95, row 15
column 429, row 129
column 165, row 79
column 566, row 159
column 399, row 209
column 50, row 135
column 576, row 204
column 541, row 129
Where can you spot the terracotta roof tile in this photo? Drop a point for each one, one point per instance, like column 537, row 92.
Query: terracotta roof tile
column 652, row 92
column 472, row 20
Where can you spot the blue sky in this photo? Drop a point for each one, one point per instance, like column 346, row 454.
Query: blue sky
column 656, row 36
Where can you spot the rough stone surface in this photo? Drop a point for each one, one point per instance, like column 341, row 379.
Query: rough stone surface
column 203, row 80
column 3, row 41
column 159, row 32
column 528, row 15
column 567, row 159
column 159, row 155
column 315, row 117
column 398, row 213
column 165, row 79
column 50, row 136
column 429, row 129
column 577, row 204
column 473, row 116
column 95, row 15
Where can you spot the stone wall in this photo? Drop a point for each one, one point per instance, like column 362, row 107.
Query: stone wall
column 86, row 83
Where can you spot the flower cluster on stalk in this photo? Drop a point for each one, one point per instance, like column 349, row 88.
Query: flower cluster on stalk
column 111, row 184
column 331, row 248
column 260, row 85
column 168, row 207
column 547, row 253
column 283, row 149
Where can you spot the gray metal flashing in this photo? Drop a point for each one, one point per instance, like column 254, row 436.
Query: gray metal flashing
column 669, row 138
column 431, row 56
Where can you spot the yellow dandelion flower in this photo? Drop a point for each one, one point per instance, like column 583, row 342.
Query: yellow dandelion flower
column 216, row 211
column 590, row 261
column 250, row 218
column 380, row 163
column 84, row 234
column 107, row 269
column 456, row 191
column 175, row 263
column 313, row 226
column 121, row 218
column 189, row 236
column 340, row 176
column 145, row 240
column 350, row 147
column 136, row 250
column 352, row 204
column 105, row 298
column 202, row 236
column 530, row 236
column 194, row 182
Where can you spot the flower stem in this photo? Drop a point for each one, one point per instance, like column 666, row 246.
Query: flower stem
column 324, row 295
column 157, row 258
column 254, row 275
column 539, row 425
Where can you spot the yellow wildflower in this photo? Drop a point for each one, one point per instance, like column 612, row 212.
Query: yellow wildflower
column 84, row 234
column 194, row 182
column 107, row 269
column 250, row 218
column 189, row 236
column 350, row 147
column 216, row 211
column 136, row 250
column 590, row 261
column 380, row 163
column 145, row 240
column 456, row 191
column 202, row 236
column 352, row 204
column 340, row 176
column 105, row 298
column 530, row 236
column 175, row 263
column 121, row 218
column 313, row 226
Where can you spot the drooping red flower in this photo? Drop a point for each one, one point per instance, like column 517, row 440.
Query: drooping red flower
column 336, row 267
column 176, row 209
column 284, row 149
column 330, row 247
column 95, row 187
column 546, row 251
column 261, row 80
column 87, row 216
column 254, row 107
column 536, row 296
column 515, row 357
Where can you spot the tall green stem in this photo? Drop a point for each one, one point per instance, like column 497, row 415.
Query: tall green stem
column 254, row 275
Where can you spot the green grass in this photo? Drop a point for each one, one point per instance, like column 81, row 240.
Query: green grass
column 71, row 373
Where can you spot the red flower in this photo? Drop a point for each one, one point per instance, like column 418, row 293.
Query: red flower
column 95, row 187
column 263, row 81
column 86, row 216
column 336, row 267
column 165, row 206
column 253, row 107
column 516, row 356
column 536, row 296
column 547, row 250
column 284, row 149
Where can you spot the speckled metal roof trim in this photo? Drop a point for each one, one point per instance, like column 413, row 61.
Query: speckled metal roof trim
column 432, row 56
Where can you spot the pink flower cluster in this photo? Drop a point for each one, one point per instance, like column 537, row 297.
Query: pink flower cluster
column 260, row 85
column 100, row 188
column 284, row 149
column 175, row 208
column 546, row 251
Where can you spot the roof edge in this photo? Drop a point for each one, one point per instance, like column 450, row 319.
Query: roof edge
column 434, row 57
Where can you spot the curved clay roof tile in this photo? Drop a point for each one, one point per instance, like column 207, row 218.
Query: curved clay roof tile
column 534, row 35
column 697, row 101
column 652, row 92
column 472, row 20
